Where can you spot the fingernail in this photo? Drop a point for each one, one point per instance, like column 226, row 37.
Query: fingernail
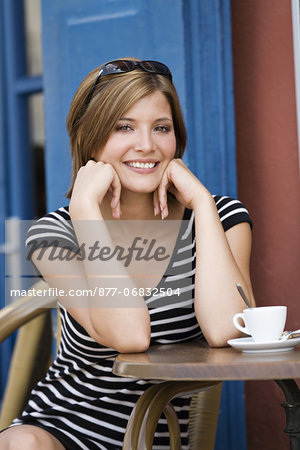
column 162, row 215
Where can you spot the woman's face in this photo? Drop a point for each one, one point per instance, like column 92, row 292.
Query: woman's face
column 142, row 144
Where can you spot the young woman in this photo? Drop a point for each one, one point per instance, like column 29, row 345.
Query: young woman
column 127, row 138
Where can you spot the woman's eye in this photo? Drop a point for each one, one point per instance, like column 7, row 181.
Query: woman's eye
column 123, row 128
column 162, row 128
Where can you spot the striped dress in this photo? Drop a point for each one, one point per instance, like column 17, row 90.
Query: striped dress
column 80, row 401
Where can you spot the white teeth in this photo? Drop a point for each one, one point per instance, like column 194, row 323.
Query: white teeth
column 141, row 165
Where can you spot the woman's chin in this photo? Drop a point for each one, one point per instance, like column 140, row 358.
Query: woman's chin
column 142, row 189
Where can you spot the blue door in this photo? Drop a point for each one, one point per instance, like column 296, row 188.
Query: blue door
column 16, row 153
column 194, row 39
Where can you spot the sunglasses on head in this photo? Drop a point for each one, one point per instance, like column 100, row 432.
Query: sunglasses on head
column 127, row 65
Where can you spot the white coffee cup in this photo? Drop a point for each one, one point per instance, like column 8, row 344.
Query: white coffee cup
column 264, row 324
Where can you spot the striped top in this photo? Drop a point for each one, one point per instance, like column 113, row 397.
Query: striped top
column 80, row 401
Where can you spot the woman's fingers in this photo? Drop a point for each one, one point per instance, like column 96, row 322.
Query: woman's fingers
column 181, row 182
column 115, row 188
column 162, row 195
column 96, row 180
column 156, row 206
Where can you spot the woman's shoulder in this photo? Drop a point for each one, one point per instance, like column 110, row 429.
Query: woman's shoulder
column 53, row 229
column 58, row 219
column 61, row 214
column 231, row 211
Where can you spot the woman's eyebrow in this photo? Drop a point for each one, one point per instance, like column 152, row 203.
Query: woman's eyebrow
column 161, row 119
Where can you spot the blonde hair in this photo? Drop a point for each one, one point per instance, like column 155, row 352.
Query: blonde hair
column 90, row 127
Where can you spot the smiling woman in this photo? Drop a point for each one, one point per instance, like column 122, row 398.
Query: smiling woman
column 127, row 137
column 112, row 96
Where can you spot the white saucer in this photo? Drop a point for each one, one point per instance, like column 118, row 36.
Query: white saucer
column 247, row 345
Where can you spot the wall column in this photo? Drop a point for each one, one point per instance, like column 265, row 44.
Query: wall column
column 268, row 181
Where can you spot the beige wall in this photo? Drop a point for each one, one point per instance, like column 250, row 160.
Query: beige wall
column 268, row 180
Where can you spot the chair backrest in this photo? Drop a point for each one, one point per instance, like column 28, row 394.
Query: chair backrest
column 204, row 412
column 32, row 350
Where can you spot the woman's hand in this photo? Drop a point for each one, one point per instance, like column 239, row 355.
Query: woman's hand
column 94, row 181
column 182, row 183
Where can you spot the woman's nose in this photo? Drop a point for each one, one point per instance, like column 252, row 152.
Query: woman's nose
column 144, row 141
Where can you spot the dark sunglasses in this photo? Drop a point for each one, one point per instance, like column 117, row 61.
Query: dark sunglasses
column 126, row 65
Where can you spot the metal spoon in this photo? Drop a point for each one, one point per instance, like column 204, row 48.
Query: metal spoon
column 243, row 295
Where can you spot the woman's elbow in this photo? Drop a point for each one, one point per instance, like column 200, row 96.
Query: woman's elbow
column 122, row 338
column 218, row 339
column 216, row 342
column 138, row 345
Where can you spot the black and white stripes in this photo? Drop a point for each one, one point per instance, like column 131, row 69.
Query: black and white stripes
column 80, row 401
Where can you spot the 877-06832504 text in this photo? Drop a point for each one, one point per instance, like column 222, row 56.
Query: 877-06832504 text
column 142, row 292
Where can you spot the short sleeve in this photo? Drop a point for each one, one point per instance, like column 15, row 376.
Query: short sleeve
column 53, row 230
column 231, row 212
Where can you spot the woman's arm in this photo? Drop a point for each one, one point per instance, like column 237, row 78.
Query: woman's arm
column 222, row 261
column 222, row 258
column 113, row 320
column 126, row 330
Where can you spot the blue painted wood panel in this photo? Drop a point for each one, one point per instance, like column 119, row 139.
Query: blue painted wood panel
column 16, row 167
column 209, row 87
column 19, row 166
column 5, row 348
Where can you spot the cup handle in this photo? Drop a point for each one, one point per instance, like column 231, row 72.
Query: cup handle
column 237, row 325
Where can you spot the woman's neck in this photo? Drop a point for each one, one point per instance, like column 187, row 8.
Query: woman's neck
column 137, row 206
column 134, row 206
